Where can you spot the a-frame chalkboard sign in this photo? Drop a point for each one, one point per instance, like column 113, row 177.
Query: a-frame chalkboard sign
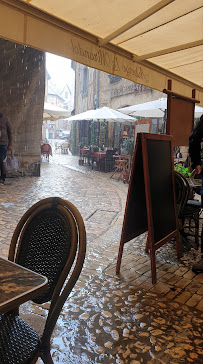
column 150, row 202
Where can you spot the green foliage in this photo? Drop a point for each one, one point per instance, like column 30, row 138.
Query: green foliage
column 93, row 140
column 128, row 145
column 104, row 134
column 83, row 142
column 181, row 169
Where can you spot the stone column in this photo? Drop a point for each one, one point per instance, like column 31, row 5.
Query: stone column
column 22, row 88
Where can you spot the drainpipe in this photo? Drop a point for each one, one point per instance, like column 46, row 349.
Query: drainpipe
column 97, row 98
column 75, row 90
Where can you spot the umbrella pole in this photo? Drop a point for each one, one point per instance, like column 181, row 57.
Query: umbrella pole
column 99, row 134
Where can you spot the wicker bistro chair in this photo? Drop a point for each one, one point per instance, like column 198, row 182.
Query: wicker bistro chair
column 50, row 239
column 46, row 151
column 186, row 209
column 107, row 164
column 93, row 148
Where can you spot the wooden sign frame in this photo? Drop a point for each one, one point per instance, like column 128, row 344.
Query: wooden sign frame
column 139, row 214
column 180, row 115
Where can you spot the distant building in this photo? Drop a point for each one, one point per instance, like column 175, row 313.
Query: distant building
column 54, row 128
column 54, row 98
column 66, row 94
column 95, row 89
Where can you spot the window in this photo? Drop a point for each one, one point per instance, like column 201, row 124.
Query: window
column 114, row 79
column 85, row 73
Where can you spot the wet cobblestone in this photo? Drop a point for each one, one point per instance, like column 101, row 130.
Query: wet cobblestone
column 110, row 318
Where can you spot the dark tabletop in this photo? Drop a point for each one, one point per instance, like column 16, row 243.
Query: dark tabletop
column 18, row 285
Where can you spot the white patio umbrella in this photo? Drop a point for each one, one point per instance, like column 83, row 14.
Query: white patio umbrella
column 52, row 112
column 198, row 111
column 149, row 113
column 49, row 117
column 150, row 105
column 103, row 113
column 160, row 104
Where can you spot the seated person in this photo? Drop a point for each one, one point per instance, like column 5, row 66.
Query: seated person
column 195, row 143
column 123, row 151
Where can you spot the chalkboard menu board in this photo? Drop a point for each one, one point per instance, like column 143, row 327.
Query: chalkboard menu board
column 161, row 187
column 136, row 199
column 150, row 202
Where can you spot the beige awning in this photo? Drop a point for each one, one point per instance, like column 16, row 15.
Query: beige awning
column 147, row 42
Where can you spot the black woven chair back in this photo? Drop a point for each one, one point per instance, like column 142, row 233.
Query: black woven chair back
column 50, row 239
column 109, row 154
column 45, row 241
column 45, row 247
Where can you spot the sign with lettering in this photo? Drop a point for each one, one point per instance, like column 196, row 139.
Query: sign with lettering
column 41, row 31
column 112, row 63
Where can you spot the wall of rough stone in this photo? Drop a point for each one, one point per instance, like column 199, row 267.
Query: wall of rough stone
column 118, row 92
column 114, row 92
column 22, row 88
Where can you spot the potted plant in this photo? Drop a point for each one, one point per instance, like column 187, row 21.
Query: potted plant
column 181, row 169
column 128, row 145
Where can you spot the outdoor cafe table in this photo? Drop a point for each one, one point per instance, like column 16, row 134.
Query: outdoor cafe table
column 18, row 285
column 99, row 155
column 195, row 186
column 195, row 182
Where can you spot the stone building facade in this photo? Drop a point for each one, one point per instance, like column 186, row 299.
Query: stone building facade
column 95, row 89
column 22, row 88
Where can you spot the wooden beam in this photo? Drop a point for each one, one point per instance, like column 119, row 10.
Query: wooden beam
column 62, row 35
column 158, row 26
column 154, row 9
column 178, row 96
column 168, row 50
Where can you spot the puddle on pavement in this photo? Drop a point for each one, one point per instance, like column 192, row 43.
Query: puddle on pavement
column 167, row 253
column 109, row 321
column 8, row 204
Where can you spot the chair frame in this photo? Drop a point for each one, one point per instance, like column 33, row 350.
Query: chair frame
column 122, row 164
column 77, row 252
column 65, row 147
column 181, row 201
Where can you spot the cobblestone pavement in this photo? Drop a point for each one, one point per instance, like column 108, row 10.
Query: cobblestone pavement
column 109, row 318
